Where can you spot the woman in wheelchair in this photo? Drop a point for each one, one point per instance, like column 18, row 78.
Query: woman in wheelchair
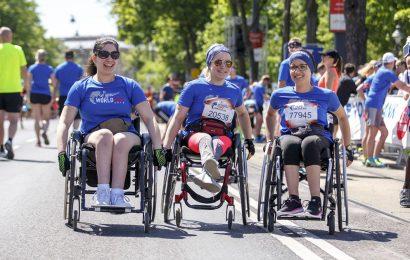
column 209, row 105
column 304, row 131
column 105, row 101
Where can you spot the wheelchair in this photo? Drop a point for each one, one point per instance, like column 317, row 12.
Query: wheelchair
column 271, row 187
column 179, row 170
column 81, row 180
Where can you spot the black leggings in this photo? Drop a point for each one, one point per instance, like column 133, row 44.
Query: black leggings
column 308, row 150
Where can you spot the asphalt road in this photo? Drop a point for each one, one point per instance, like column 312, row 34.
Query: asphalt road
column 32, row 225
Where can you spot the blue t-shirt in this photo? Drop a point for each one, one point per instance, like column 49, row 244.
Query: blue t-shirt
column 67, row 73
column 168, row 107
column 298, row 109
column 381, row 83
column 238, row 81
column 258, row 92
column 168, row 93
column 98, row 102
column 207, row 100
column 41, row 74
column 284, row 73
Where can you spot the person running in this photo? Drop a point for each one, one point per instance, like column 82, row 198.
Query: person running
column 346, row 84
column 170, row 89
column 259, row 95
column 101, row 98
column 237, row 80
column 383, row 80
column 39, row 75
column 210, row 100
column 12, row 70
column 66, row 74
column 284, row 78
column 405, row 192
column 304, row 131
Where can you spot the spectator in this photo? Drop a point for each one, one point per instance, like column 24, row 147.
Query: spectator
column 170, row 89
column 284, row 79
column 346, row 84
column 236, row 79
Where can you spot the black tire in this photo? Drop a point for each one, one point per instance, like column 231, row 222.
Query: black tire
column 242, row 183
column 75, row 219
column 262, row 185
column 345, row 197
column 272, row 220
column 338, row 187
column 170, row 179
column 230, row 219
column 66, row 195
column 278, row 178
column 147, row 221
column 269, row 189
column 150, row 181
column 178, row 217
column 331, row 223
column 71, row 193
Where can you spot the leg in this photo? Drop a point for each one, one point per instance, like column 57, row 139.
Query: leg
column 364, row 143
column 123, row 142
column 406, row 184
column 2, row 116
column 102, row 140
column 380, row 144
column 371, row 141
column 37, row 119
column 405, row 192
column 220, row 145
column 45, row 115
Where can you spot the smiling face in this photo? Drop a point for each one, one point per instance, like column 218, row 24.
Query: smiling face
column 300, row 72
column 219, row 69
column 106, row 66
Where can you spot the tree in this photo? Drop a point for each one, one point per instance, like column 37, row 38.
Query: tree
column 286, row 23
column 356, row 32
column 312, row 21
column 21, row 17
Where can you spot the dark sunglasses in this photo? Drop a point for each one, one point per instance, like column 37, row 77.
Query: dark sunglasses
column 105, row 54
column 301, row 67
column 228, row 63
column 294, row 45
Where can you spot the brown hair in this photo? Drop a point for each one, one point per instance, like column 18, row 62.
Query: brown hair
column 98, row 45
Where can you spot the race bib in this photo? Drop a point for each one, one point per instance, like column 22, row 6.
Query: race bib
column 220, row 109
column 300, row 113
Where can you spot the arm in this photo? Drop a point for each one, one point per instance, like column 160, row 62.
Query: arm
column 401, row 85
column 270, row 120
column 281, row 83
column 175, row 125
column 23, row 72
column 54, row 82
column 66, row 119
column 330, row 77
column 360, row 92
column 29, row 78
column 147, row 116
column 244, row 121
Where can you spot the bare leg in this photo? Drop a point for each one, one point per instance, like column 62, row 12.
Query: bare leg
column 45, row 115
column 36, row 108
column 13, row 119
column 380, row 143
column 258, row 124
column 292, row 179
column 371, row 141
column 2, row 116
column 364, row 140
column 103, row 141
column 313, row 177
column 123, row 142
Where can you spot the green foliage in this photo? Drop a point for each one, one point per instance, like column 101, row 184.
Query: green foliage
column 21, row 17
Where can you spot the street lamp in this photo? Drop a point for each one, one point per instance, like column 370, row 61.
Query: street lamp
column 397, row 36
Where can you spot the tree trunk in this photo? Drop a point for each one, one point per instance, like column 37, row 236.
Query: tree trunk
column 312, row 21
column 356, row 31
column 240, row 46
column 286, row 24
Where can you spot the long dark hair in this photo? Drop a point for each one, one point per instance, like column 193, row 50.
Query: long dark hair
column 98, row 45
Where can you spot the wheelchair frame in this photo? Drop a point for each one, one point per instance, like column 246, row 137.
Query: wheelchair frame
column 271, row 188
column 178, row 170
column 144, row 182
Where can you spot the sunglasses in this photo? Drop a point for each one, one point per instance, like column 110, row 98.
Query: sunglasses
column 105, row 54
column 301, row 67
column 228, row 63
column 294, row 45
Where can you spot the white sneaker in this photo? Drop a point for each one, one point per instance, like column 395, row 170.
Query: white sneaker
column 101, row 198
column 121, row 201
column 205, row 181
column 211, row 167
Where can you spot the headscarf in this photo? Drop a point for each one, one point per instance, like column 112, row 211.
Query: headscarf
column 214, row 50
column 301, row 55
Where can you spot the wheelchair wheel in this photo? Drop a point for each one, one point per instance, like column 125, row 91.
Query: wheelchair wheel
column 170, row 178
column 147, row 219
column 271, row 220
column 150, row 181
column 178, row 217
column 242, row 183
column 331, row 223
column 75, row 220
column 71, row 192
column 66, row 195
column 262, row 185
column 338, row 189
column 268, row 192
column 230, row 219
column 344, row 189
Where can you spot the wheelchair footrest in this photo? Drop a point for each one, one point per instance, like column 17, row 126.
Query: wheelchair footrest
column 113, row 209
column 298, row 217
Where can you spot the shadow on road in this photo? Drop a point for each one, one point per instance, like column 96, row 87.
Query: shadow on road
column 118, row 230
column 357, row 235
column 33, row 161
column 238, row 230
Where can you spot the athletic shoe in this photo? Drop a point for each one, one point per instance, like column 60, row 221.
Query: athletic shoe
column 405, row 198
column 370, row 162
column 121, row 201
column 2, row 152
column 291, row 207
column 211, row 167
column 205, row 181
column 9, row 147
column 314, row 208
column 260, row 139
column 379, row 163
column 45, row 137
column 101, row 198
column 363, row 159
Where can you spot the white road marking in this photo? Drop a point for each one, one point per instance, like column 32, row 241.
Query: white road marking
column 32, row 140
column 322, row 244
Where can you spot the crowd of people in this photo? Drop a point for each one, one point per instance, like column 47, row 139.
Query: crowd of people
column 295, row 108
